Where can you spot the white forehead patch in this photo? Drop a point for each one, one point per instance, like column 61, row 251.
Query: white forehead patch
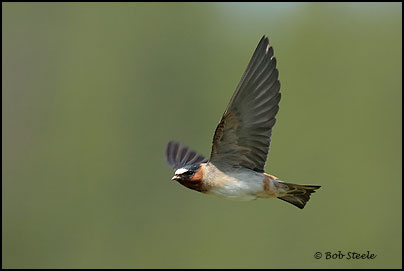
column 180, row 171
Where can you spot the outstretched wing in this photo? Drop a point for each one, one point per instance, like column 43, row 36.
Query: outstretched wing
column 243, row 135
column 178, row 156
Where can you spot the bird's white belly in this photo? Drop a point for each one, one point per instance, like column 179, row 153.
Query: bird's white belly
column 238, row 186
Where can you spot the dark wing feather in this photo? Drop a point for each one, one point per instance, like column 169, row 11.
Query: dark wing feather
column 243, row 135
column 178, row 156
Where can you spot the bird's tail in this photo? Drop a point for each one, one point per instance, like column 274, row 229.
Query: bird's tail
column 297, row 194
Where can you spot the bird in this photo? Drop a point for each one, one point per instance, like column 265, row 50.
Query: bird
column 241, row 142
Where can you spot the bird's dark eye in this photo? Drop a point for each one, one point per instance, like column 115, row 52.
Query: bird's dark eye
column 188, row 173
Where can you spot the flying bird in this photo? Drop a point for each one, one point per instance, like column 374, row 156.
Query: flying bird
column 235, row 169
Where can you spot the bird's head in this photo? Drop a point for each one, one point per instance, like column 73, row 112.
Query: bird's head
column 185, row 173
column 190, row 176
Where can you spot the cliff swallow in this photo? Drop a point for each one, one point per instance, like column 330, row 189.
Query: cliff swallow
column 235, row 169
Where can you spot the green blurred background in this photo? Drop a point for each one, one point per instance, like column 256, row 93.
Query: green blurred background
column 92, row 93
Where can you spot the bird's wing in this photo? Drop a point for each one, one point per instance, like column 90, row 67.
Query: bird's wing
column 178, row 156
column 243, row 135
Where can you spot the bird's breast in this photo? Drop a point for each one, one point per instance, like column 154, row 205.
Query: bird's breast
column 234, row 184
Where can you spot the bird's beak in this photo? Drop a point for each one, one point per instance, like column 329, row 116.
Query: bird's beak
column 175, row 178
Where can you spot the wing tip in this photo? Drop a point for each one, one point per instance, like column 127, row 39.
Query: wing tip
column 264, row 41
column 178, row 155
column 264, row 45
column 169, row 150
